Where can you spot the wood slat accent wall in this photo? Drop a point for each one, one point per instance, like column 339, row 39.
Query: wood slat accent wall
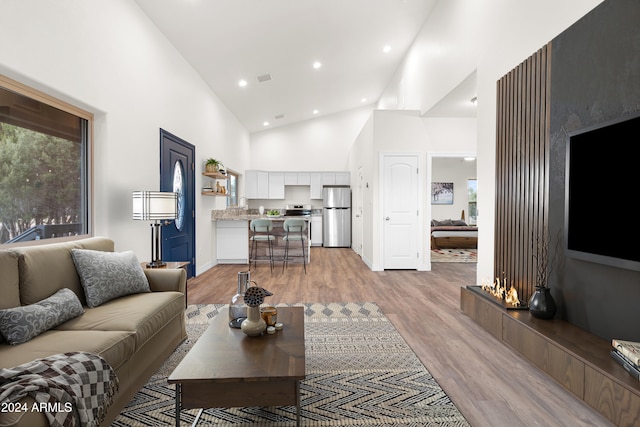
column 522, row 165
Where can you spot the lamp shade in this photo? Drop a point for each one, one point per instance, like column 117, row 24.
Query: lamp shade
column 155, row 205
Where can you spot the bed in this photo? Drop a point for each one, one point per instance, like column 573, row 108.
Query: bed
column 453, row 234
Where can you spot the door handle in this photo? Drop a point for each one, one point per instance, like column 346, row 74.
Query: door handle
column 387, row 219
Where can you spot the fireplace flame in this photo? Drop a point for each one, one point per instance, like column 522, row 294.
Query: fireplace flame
column 499, row 290
column 512, row 297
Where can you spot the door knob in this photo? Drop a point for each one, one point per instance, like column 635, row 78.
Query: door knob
column 387, row 219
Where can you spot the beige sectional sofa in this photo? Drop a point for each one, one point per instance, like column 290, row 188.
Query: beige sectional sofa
column 133, row 333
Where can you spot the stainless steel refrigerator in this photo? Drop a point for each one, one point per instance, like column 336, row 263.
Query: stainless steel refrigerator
column 336, row 216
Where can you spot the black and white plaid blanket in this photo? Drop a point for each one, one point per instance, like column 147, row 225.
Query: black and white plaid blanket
column 71, row 389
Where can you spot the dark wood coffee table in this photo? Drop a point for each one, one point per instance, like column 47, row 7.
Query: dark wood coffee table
column 225, row 368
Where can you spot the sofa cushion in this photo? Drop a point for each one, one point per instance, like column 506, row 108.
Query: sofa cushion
column 20, row 324
column 141, row 314
column 9, row 282
column 45, row 269
column 116, row 347
column 108, row 275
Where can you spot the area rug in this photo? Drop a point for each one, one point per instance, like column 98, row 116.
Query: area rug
column 454, row 255
column 359, row 372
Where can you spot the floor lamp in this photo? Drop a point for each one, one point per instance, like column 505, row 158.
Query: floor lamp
column 155, row 206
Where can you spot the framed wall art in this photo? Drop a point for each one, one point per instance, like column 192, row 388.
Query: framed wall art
column 442, row 193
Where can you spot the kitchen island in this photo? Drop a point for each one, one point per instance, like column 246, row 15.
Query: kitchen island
column 233, row 244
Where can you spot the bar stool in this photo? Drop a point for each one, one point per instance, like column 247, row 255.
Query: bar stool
column 294, row 231
column 261, row 232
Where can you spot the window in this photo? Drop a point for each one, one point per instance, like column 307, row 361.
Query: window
column 44, row 166
column 232, row 190
column 472, row 187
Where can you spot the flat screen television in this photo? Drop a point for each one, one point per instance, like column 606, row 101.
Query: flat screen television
column 602, row 181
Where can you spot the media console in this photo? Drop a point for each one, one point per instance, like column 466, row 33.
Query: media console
column 575, row 358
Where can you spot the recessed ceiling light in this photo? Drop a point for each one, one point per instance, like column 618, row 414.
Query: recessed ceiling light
column 315, row 111
column 469, row 159
column 265, row 123
column 363, row 100
column 242, row 83
column 386, row 49
column 317, row 65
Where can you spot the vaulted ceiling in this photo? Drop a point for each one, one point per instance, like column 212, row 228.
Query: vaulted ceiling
column 272, row 45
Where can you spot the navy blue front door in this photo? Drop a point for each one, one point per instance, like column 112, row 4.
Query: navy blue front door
column 177, row 174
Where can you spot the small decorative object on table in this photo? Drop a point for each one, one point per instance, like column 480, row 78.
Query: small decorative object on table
column 269, row 315
column 254, row 325
column 273, row 213
column 237, row 307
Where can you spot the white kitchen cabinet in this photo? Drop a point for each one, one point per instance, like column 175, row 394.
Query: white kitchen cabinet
column 271, row 185
column 328, row 178
column 263, row 185
column 343, row 178
column 316, row 230
column 232, row 239
column 291, row 178
column 276, row 185
column 251, row 184
column 316, row 185
column 304, row 178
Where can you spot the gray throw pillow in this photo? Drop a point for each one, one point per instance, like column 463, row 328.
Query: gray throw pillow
column 108, row 275
column 20, row 324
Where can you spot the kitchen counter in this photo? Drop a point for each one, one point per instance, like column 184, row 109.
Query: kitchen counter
column 233, row 234
column 238, row 214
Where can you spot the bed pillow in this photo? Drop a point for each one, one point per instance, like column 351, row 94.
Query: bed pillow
column 444, row 222
column 20, row 324
column 108, row 275
column 458, row 222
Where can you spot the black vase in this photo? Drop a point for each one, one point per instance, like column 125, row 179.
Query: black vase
column 541, row 304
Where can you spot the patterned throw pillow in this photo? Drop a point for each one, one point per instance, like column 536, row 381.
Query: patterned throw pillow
column 20, row 324
column 108, row 275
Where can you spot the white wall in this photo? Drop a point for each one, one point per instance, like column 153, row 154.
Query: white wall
column 492, row 37
column 107, row 58
column 321, row 144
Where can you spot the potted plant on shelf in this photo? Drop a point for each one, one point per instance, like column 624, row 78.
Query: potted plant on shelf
column 211, row 165
column 541, row 303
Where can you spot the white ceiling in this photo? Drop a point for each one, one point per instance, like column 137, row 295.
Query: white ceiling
column 229, row 40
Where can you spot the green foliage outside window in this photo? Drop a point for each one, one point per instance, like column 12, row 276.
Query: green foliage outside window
column 41, row 180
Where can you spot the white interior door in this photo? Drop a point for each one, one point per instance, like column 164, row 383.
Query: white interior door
column 356, row 237
column 400, row 211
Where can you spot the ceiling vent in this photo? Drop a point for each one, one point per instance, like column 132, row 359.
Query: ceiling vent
column 280, row 116
column 264, row 78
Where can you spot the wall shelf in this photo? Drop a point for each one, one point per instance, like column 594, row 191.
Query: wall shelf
column 215, row 176
column 213, row 193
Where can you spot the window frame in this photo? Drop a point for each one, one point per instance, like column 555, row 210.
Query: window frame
column 47, row 99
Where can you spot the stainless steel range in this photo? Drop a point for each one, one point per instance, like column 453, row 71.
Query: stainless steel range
column 298, row 211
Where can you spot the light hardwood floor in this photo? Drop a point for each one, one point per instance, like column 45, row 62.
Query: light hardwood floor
column 490, row 384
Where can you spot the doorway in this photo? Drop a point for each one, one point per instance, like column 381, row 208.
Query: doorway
column 454, row 242
column 177, row 175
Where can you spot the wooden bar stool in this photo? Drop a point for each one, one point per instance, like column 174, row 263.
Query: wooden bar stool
column 261, row 232
column 294, row 230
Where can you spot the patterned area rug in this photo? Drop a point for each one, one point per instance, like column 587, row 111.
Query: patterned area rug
column 359, row 372
column 454, row 255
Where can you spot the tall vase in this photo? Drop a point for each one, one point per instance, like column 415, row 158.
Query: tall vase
column 541, row 304
column 237, row 307
column 253, row 325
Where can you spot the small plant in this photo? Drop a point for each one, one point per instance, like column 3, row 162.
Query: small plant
column 544, row 266
column 273, row 212
column 211, row 165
